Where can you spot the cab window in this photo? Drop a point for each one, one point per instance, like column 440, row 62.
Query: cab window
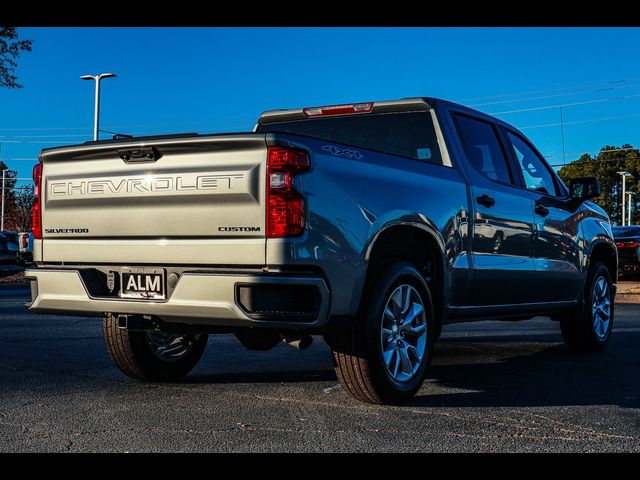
column 407, row 134
column 536, row 173
column 483, row 148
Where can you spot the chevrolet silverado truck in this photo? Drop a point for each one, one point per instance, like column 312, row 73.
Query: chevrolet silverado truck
column 371, row 224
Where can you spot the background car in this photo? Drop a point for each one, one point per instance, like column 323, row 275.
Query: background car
column 628, row 244
column 25, row 244
column 10, row 259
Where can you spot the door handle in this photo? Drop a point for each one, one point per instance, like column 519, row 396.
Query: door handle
column 486, row 200
column 542, row 210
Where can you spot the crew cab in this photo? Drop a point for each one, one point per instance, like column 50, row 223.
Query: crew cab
column 372, row 224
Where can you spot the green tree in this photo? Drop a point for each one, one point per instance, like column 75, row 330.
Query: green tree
column 604, row 166
column 19, row 218
column 10, row 48
column 9, row 192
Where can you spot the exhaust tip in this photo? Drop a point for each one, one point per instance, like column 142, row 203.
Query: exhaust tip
column 301, row 342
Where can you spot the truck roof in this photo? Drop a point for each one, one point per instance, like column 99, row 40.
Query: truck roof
column 410, row 104
column 387, row 106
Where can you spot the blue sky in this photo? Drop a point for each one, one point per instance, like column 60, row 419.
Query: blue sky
column 221, row 79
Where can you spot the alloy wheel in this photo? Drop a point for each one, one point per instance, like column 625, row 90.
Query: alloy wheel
column 404, row 333
column 601, row 307
column 170, row 347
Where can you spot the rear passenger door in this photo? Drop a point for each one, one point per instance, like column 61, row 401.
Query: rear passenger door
column 502, row 242
column 556, row 225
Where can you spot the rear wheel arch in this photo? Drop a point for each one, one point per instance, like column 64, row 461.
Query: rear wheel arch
column 413, row 243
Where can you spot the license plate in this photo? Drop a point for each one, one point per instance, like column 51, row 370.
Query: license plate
column 147, row 283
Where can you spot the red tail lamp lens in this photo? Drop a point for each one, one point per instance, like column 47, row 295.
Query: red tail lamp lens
column 285, row 206
column 36, row 211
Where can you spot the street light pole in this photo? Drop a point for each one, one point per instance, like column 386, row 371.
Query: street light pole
column 4, row 172
column 96, row 110
column 624, row 199
column 629, row 194
column 96, row 116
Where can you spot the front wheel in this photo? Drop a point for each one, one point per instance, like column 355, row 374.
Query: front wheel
column 152, row 355
column 383, row 355
column 589, row 328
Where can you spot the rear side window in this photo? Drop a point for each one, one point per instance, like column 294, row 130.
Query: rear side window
column 410, row 135
column 483, row 148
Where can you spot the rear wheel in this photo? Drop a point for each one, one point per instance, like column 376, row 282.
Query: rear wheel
column 589, row 328
column 384, row 354
column 152, row 355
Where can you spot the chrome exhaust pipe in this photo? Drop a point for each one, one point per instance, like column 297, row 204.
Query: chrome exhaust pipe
column 301, row 342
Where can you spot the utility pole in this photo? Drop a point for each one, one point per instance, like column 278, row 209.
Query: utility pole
column 624, row 176
column 564, row 157
column 629, row 194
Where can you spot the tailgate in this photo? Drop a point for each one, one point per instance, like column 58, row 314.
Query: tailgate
column 192, row 200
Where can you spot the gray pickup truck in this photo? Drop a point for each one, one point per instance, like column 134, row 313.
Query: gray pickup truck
column 372, row 224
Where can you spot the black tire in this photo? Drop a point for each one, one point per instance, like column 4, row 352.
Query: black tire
column 133, row 354
column 579, row 328
column 357, row 346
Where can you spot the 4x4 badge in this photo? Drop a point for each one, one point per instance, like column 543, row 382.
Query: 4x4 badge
column 347, row 152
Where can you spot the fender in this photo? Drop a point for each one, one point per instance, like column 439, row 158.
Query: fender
column 595, row 230
column 414, row 220
column 417, row 220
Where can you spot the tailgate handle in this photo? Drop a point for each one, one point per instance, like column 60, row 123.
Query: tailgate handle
column 148, row 154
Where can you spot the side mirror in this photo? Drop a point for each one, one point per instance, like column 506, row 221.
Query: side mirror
column 584, row 188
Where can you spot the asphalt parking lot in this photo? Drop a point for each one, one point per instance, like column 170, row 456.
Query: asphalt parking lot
column 493, row 386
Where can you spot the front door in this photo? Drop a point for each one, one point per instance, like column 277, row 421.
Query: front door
column 556, row 226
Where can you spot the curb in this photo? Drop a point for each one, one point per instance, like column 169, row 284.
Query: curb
column 627, row 298
column 14, row 286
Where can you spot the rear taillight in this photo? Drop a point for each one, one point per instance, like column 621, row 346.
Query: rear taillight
column 627, row 244
column 36, row 212
column 285, row 206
